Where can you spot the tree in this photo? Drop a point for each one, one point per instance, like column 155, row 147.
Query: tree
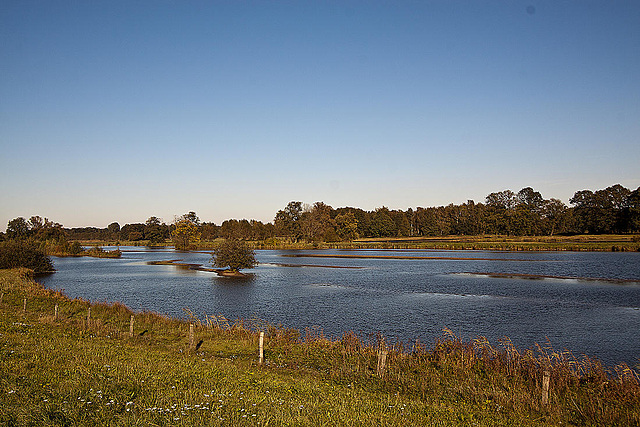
column 18, row 228
column 185, row 231
column 43, row 229
column 502, row 200
column 382, row 225
column 361, row 218
column 260, row 231
column 113, row 230
column 401, row 221
column 191, row 216
column 132, row 232
column 584, row 205
column 603, row 211
column 526, row 217
column 154, row 230
column 347, row 226
column 229, row 229
column 316, row 222
column 287, row 221
column 209, row 231
column 22, row 254
column 617, row 200
column 633, row 211
column 234, row 254
column 152, row 220
column 500, row 212
column 554, row 213
column 36, row 223
column 531, row 199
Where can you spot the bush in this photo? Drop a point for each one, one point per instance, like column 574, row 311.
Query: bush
column 21, row 254
column 98, row 252
column 234, row 254
column 75, row 248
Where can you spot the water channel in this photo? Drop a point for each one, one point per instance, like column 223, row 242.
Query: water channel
column 587, row 302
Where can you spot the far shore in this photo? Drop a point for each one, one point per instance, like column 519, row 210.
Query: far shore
column 573, row 243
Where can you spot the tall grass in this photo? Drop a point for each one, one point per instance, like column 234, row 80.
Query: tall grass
column 78, row 371
column 600, row 243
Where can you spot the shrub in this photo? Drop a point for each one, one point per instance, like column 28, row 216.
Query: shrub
column 21, row 254
column 234, row 254
column 75, row 248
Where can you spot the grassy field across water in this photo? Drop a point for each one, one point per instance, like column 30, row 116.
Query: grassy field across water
column 584, row 242
column 85, row 367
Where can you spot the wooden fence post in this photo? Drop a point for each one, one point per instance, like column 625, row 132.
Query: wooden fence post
column 545, row 387
column 88, row 315
column 191, row 336
column 261, row 348
column 1, row 297
column 55, row 312
column 131, row 326
column 24, row 306
column 382, row 360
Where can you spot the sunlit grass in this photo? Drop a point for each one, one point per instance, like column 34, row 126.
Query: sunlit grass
column 600, row 243
column 78, row 371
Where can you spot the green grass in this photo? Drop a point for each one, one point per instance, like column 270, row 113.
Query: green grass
column 605, row 243
column 76, row 371
column 622, row 243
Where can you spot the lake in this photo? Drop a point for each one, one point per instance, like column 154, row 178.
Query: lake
column 405, row 299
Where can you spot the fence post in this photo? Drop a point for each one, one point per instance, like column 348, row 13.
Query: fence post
column 55, row 312
column 131, row 326
column 191, row 336
column 24, row 306
column 382, row 360
column 1, row 297
column 545, row 387
column 261, row 348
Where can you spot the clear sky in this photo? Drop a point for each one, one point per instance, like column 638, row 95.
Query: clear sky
column 120, row 110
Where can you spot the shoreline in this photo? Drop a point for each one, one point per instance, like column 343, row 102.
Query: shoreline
column 574, row 243
column 160, row 370
column 435, row 258
column 60, row 295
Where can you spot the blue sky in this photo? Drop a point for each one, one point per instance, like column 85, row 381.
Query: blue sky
column 120, row 110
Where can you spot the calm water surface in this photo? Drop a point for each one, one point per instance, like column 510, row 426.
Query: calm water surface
column 404, row 299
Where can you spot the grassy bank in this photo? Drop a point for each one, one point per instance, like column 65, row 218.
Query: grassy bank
column 601, row 243
column 615, row 243
column 84, row 368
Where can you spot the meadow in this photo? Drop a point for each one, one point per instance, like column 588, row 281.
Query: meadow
column 68, row 362
column 582, row 242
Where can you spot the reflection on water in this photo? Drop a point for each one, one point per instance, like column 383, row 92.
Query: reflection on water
column 405, row 299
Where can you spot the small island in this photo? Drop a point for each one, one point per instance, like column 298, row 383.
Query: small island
column 232, row 255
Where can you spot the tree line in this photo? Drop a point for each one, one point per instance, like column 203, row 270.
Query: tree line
column 615, row 209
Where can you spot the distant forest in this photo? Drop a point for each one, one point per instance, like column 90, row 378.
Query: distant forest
column 615, row 209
